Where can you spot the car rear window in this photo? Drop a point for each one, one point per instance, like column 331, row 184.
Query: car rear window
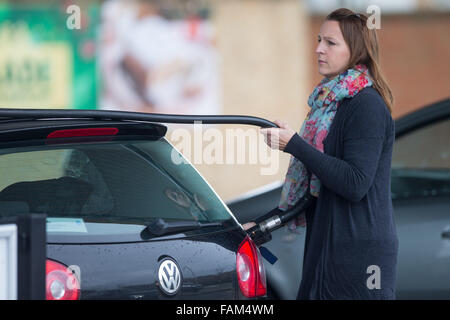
column 105, row 192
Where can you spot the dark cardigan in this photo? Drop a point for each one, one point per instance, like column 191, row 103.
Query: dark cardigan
column 351, row 227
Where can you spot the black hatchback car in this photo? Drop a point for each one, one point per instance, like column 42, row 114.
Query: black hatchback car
column 124, row 219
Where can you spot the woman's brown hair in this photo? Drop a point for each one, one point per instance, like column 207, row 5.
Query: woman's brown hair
column 363, row 44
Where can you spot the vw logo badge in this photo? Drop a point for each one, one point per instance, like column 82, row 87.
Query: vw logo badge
column 169, row 277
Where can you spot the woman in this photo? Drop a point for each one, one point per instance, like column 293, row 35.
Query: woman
column 343, row 153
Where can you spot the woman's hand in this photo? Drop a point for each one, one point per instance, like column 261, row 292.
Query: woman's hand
column 248, row 225
column 278, row 138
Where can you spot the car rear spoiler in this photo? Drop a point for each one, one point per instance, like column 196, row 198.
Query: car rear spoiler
column 39, row 114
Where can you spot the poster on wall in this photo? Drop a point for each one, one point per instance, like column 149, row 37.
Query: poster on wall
column 151, row 63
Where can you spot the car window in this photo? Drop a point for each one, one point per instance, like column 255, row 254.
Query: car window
column 421, row 162
column 110, row 189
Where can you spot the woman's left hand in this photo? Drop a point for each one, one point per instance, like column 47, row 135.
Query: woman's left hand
column 278, row 138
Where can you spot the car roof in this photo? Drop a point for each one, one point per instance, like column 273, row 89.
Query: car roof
column 20, row 124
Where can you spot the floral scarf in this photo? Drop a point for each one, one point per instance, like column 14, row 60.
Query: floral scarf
column 324, row 101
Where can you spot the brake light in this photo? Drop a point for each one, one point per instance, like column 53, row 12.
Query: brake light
column 250, row 270
column 61, row 282
column 83, row 132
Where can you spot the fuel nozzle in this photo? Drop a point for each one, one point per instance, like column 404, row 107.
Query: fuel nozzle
column 261, row 232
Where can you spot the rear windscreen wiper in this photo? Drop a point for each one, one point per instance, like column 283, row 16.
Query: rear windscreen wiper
column 160, row 227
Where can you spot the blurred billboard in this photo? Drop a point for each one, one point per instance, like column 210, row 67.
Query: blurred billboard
column 44, row 64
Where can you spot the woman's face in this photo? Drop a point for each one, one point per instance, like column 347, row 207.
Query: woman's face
column 333, row 53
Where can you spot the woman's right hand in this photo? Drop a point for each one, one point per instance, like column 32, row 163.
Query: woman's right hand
column 248, row 225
